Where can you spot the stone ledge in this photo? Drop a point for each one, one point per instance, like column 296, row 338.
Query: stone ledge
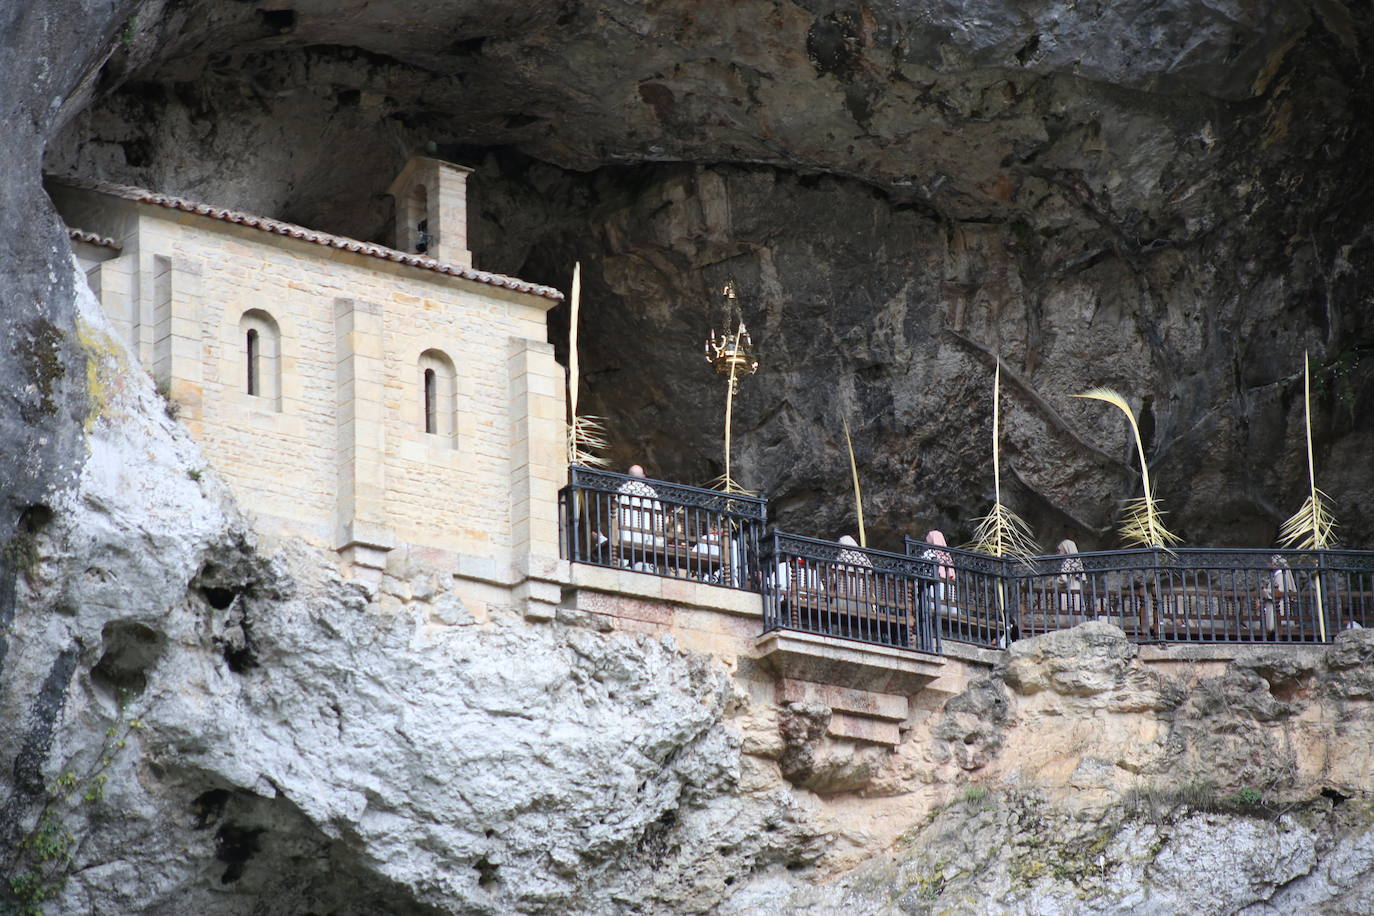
column 684, row 592
column 845, row 699
column 862, row 728
column 846, row 663
column 968, row 652
column 1224, row 652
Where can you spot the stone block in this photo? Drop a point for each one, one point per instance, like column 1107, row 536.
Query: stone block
column 886, row 706
column 859, row 728
column 846, row 663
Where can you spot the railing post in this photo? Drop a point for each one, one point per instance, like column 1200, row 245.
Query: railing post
column 768, row 588
column 930, row 614
column 1323, row 620
column 571, row 498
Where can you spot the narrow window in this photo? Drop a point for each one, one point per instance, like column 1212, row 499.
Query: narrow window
column 260, row 350
column 431, row 402
column 438, row 390
column 254, row 360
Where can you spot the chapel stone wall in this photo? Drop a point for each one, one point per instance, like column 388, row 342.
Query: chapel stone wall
column 332, row 446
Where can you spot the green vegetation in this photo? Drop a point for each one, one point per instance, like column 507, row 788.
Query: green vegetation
column 1161, row 803
column 1248, row 797
column 39, row 353
column 928, row 887
column 20, row 553
column 129, row 32
column 975, row 794
column 35, row 872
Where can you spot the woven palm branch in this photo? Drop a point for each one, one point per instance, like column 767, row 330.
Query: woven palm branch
column 586, row 438
column 727, row 484
column 1313, row 527
column 586, row 435
column 1001, row 532
column 1143, row 525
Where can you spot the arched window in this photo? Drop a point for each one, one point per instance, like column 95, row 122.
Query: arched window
column 253, row 351
column 260, row 348
column 431, row 401
column 438, row 394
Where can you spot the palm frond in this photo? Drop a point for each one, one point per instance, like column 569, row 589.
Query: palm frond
column 727, row 484
column 1003, row 533
column 587, row 437
column 858, row 493
column 1143, row 523
column 1313, row 527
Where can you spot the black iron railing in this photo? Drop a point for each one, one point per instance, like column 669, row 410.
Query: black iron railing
column 934, row 592
column 1183, row 595
column 663, row 528
column 846, row 591
column 974, row 602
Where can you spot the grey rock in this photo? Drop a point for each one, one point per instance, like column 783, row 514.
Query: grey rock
column 901, row 192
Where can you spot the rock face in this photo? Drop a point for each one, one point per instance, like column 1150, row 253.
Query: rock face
column 1101, row 785
column 1014, row 853
column 307, row 744
column 214, row 724
column 1170, row 198
column 1166, row 198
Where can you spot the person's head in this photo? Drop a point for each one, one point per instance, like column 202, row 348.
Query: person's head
column 937, row 537
column 636, row 471
column 848, row 541
column 1066, row 546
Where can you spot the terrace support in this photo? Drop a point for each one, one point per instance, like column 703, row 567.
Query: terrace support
column 867, row 687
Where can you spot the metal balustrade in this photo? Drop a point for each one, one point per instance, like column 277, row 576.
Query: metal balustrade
column 975, row 603
column 847, row 591
column 662, row 528
column 929, row 593
column 1181, row 595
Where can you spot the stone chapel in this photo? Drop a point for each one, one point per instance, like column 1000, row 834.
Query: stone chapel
column 353, row 395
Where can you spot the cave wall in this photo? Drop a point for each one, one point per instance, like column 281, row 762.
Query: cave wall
column 1168, row 199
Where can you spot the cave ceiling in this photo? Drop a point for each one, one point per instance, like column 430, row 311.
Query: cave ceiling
column 1168, row 197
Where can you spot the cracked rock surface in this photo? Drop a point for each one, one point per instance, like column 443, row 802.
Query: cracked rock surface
column 1168, row 198
column 307, row 743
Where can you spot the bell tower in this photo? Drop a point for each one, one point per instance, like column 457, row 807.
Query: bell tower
column 432, row 210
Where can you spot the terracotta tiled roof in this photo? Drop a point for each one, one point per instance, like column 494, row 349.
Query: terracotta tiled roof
column 81, row 235
column 291, row 230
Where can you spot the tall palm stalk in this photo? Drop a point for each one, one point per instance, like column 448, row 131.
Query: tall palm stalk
column 1143, row 524
column 1002, row 532
column 1312, row 527
column 586, row 435
column 858, row 494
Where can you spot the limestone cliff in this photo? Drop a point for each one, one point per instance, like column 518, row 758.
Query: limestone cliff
column 1170, row 197
column 218, row 724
